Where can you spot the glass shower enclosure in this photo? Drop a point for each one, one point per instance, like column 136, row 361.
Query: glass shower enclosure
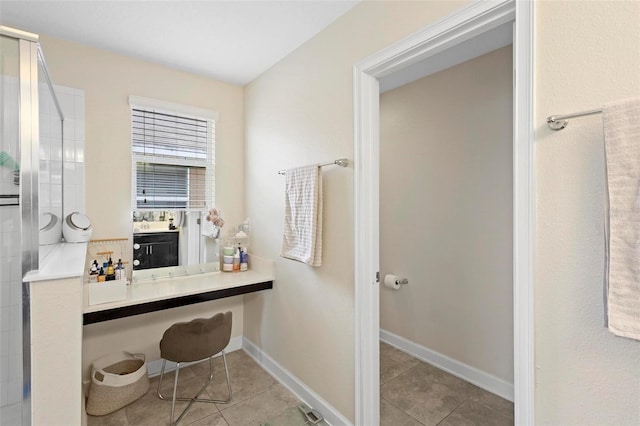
column 30, row 194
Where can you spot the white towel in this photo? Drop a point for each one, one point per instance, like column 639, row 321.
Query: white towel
column 622, row 219
column 302, row 239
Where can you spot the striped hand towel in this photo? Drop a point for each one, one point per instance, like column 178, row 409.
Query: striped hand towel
column 622, row 219
column 302, row 239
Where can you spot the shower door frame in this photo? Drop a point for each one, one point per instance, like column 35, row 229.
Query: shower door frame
column 30, row 59
column 29, row 160
column 29, row 206
column 462, row 25
column 29, row 152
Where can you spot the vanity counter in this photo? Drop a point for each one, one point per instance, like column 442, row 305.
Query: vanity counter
column 154, row 295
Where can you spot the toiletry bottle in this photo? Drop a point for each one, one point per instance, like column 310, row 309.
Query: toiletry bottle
column 120, row 274
column 110, row 272
column 93, row 272
column 101, row 276
column 244, row 260
column 236, row 261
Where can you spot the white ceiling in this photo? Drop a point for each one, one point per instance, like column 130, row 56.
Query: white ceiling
column 232, row 40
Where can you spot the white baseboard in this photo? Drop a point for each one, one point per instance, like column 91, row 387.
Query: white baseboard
column 466, row 372
column 153, row 367
column 295, row 385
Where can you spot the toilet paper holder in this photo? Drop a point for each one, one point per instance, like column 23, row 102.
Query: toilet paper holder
column 394, row 282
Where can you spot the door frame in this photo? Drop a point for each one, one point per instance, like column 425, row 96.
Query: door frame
column 468, row 22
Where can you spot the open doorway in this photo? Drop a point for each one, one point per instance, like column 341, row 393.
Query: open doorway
column 446, row 209
column 469, row 24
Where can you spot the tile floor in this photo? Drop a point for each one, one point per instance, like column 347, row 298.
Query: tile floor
column 257, row 398
column 412, row 393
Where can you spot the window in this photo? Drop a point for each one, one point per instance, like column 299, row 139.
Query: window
column 172, row 156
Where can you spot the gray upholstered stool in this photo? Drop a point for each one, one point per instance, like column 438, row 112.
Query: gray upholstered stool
column 194, row 341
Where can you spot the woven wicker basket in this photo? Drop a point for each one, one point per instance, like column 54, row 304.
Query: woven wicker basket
column 116, row 380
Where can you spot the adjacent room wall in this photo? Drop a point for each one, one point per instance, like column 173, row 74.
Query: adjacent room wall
column 107, row 80
column 446, row 212
column 301, row 112
column 587, row 54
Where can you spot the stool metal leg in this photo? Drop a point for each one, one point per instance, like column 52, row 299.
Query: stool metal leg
column 226, row 372
column 173, row 400
column 196, row 398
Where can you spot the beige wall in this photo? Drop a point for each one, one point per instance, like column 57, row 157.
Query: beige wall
column 300, row 112
column 107, row 80
column 446, row 212
column 297, row 113
column 587, row 54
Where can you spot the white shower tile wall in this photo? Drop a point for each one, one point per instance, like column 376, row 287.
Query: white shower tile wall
column 10, row 307
column 61, row 172
column 50, row 148
column 10, row 261
column 62, row 165
column 9, row 130
column 72, row 103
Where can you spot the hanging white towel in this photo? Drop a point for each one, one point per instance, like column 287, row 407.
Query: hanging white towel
column 302, row 239
column 622, row 219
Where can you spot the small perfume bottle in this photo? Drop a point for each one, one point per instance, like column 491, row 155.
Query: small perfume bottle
column 93, row 272
column 120, row 271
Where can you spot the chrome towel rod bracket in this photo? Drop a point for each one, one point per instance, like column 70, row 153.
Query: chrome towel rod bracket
column 342, row 162
column 559, row 122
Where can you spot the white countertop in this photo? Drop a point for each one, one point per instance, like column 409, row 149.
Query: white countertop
column 66, row 260
column 168, row 288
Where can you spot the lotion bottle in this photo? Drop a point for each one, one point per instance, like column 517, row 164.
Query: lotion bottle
column 236, row 261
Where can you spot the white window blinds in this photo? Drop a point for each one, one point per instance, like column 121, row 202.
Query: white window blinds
column 173, row 160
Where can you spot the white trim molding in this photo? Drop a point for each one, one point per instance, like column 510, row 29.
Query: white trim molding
column 463, row 25
column 367, row 290
column 295, row 385
column 460, row 26
column 466, row 372
column 524, row 214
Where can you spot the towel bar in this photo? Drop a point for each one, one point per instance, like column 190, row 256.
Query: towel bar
column 342, row 162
